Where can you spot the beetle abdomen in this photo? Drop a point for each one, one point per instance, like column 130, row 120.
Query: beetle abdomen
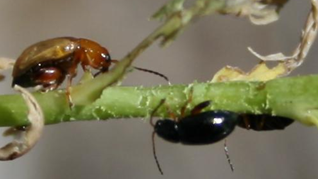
column 206, row 127
column 30, row 76
column 48, row 50
column 263, row 122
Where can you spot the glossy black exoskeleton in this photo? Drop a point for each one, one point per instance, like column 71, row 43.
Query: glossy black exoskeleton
column 198, row 128
column 263, row 122
column 208, row 127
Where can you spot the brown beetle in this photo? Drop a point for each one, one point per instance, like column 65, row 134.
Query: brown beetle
column 47, row 63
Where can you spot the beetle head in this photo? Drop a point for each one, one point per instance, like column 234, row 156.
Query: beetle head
column 167, row 129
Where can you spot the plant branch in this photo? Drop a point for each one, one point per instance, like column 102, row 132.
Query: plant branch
column 294, row 97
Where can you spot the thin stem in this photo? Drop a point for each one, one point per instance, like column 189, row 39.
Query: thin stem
column 294, row 98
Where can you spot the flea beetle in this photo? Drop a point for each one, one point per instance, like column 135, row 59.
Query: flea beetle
column 198, row 128
column 49, row 62
column 210, row 126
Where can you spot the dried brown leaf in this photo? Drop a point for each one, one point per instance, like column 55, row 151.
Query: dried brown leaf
column 5, row 63
column 25, row 137
column 259, row 73
column 307, row 39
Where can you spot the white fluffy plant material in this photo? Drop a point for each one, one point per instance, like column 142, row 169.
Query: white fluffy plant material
column 260, row 12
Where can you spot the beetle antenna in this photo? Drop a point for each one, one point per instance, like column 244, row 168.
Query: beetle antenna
column 154, row 72
column 228, row 156
column 140, row 69
column 154, row 153
column 154, row 112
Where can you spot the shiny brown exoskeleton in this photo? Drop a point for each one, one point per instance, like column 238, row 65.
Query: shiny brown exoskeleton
column 47, row 63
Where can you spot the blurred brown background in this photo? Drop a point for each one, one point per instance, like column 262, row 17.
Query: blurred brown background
column 122, row 148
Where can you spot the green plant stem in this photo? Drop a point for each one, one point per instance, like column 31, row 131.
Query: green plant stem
column 295, row 98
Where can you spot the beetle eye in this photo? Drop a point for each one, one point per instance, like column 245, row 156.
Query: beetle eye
column 106, row 56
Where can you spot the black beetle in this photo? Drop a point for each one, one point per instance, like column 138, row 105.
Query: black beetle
column 208, row 127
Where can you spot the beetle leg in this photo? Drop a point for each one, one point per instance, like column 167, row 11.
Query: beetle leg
column 184, row 107
column 84, row 67
column 261, row 123
column 246, row 122
column 198, row 108
column 71, row 74
column 68, row 91
column 171, row 114
column 49, row 77
column 226, row 150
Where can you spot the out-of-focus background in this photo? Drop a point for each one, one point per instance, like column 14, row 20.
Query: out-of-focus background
column 122, row 148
